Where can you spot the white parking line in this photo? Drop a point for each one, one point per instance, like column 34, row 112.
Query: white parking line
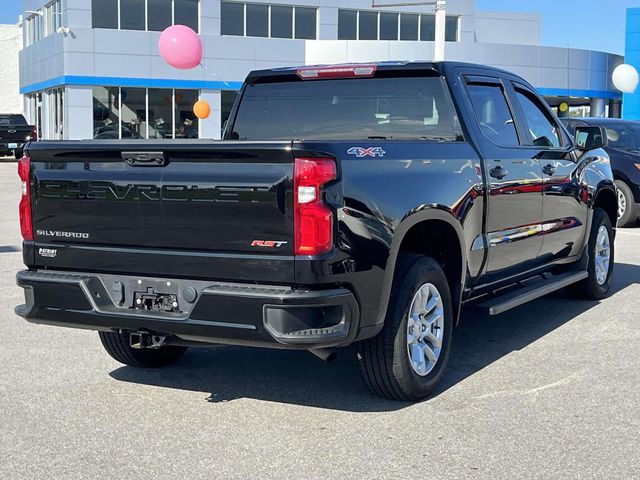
column 635, row 234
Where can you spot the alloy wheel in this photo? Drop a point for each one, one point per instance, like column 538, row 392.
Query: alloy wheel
column 622, row 204
column 425, row 329
column 602, row 255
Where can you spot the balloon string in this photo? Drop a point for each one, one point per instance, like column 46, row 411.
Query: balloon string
column 214, row 74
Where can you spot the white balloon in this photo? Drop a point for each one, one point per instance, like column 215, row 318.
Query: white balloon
column 625, row 78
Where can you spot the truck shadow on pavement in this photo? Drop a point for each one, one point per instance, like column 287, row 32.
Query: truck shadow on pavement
column 229, row 373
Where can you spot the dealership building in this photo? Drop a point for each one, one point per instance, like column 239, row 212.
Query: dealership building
column 92, row 69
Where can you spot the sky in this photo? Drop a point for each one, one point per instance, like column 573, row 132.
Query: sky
column 9, row 11
column 590, row 24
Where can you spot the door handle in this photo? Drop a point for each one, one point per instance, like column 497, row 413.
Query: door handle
column 498, row 172
column 549, row 169
column 144, row 159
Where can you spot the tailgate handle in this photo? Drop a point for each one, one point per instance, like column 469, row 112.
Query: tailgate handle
column 145, row 159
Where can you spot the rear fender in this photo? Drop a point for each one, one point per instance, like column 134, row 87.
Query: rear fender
column 410, row 221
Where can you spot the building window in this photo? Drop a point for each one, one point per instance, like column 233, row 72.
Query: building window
column 409, row 27
column 104, row 13
column 389, row 26
column 133, row 113
column 232, row 18
column 185, row 121
column 228, row 97
column 347, row 25
column 34, row 111
column 44, row 23
column 261, row 20
column 257, row 20
column 427, row 28
column 281, row 22
column 305, row 23
column 106, row 112
column 55, row 114
column 374, row 25
column 160, row 113
column 187, row 12
column 451, row 33
column 149, row 15
column 368, row 26
column 161, row 15
column 53, row 17
column 132, row 15
column 138, row 113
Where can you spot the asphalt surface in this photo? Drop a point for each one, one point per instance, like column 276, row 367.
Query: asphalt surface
column 551, row 389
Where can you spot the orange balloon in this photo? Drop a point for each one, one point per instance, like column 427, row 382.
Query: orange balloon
column 202, row 109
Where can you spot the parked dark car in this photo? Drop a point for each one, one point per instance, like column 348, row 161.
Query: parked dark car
column 624, row 151
column 14, row 133
column 349, row 204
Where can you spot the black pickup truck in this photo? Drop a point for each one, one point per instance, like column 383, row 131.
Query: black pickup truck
column 358, row 204
column 14, row 133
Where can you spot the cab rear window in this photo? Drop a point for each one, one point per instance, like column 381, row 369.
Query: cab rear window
column 7, row 121
column 408, row 108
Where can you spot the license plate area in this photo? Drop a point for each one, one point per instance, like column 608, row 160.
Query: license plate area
column 156, row 302
column 12, row 146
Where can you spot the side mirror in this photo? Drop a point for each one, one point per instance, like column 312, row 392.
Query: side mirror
column 589, row 138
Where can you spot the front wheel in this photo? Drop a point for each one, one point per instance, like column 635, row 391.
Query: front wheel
column 601, row 251
column 117, row 345
column 407, row 359
column 627, row 210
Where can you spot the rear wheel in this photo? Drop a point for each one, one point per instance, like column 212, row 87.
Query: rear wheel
column 627, row 210
column 117, row 345
column 407, row 359
column 18, row 154
column 601, row 259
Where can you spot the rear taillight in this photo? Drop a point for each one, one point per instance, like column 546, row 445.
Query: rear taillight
column 34, row 134
column 313, row 220
column 26, row 224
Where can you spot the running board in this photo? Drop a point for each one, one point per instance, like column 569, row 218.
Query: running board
column 501, row 303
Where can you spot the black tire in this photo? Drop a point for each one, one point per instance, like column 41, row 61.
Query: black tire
column 590, row 288
column 18, row 154
column 117, row 345
column 384, row 360
column 630, row 215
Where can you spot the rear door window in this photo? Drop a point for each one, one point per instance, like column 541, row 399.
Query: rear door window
column 542, row 129
column 410, row 108
column 493, row 113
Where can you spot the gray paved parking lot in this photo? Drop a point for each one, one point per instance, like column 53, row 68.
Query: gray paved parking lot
column 551, row 389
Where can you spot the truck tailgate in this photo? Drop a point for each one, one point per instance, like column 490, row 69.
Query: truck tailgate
column 186, row 208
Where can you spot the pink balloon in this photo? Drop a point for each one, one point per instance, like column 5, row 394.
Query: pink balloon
column 180, row 47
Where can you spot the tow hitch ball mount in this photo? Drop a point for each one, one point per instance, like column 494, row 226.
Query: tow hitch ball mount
column 141, row 340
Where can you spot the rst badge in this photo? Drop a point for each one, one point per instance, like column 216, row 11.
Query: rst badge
column 268, row 243
column 366, row 152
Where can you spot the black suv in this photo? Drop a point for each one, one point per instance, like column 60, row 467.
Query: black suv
column 624, row 152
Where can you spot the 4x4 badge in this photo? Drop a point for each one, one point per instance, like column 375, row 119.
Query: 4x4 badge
column 366, row 152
